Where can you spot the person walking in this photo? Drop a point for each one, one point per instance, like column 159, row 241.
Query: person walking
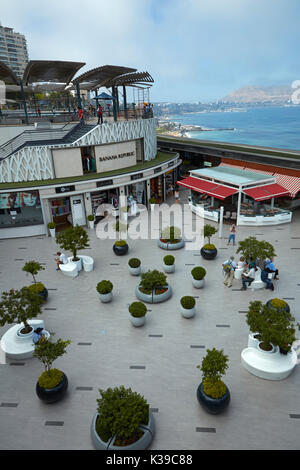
column 176, row 194
column 80, row 114
column 100, row 114
column 229, row 267
column 232, row 231
column 39, row 112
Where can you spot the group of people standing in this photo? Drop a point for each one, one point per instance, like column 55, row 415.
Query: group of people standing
column 249, row 268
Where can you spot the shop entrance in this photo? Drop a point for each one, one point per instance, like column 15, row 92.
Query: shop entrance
column 88, row 159
column 61, row 213
column 104, row 202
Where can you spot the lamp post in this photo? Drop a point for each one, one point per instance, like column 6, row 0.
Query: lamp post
column 24, row 102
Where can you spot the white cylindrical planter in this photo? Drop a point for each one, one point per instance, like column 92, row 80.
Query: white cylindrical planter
column 187, row 313
column 152, row 207
column 78, row 263
column 52, row 232
column 198, row 283
column 135, row 271
column 105, row 298
column 91, row 224
column 169, row 268
column 137, row 321
column 125, row 216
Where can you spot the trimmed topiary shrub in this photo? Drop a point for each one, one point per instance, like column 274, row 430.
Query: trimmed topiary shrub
column 152, row 281
column 51, row 225
column 134, row 262
column 198, row 273
column 208, row 232
column 169, row 260
column 188, row 302
column 278, row 303
column 209, row 246
column 91, row 217
column 104, row 287
column 121, row 411
column 36, row 288
column 51, row 378
column 152, row 200
column 137, row 309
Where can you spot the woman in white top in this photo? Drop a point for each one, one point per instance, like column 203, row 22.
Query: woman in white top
column 241, row 263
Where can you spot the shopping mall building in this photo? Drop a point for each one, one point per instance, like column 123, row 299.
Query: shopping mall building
column 61, row 172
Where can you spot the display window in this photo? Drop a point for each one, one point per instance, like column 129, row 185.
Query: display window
column 20, row 209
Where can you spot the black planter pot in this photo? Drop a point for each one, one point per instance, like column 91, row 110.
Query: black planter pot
column 286, row 308
column 120, row 250
column 208, row 254
column 213, row 406
column 51, row 395
column 44, row 294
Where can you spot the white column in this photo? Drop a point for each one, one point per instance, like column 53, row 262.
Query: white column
column 239, row 206
column 221, row 221
column 148, row 188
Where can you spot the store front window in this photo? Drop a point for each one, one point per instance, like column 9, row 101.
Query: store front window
column 20, row 209
column 88, row 159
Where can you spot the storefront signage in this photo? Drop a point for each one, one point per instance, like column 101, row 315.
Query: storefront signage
column 157, row 170
column 137, row 176
column 104, row 183
column 65, row 189
column 115, row 156
column 77, row 201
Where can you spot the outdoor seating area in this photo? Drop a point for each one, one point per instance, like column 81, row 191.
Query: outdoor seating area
column 108, row 350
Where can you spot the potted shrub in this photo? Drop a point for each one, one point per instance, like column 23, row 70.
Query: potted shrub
column 153, row 287
column 152, row 202
column 198, row 274
column 91, row 220
column 33, row 267
column 51, row 227
column 213, row 395
column 73, row 239
column 169, row 264
column 53, row 383
column 104, row 289
column 209, row 251
column 278, row 304
column 120, row 248
column 134, row 266
column 123, row 421
column 20, row 306
column 137, row 312
column 170, row 238
column 187, row 306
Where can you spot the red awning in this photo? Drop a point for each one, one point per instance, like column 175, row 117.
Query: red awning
column 207, row 187
column 262, row 193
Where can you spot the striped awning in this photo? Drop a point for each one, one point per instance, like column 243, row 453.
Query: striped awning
column 268, row 191
column 207, row 187
column 290, row 183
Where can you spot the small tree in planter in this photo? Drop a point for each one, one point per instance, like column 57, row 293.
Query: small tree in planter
column 187, row 306
column 91, row 220
column 170, row 235
column 198, row 274
column 273, row 326
column 52, row 227
column 120, row 413
column 21, row 306
column 209, row 251
column 53, row 383
column 33, row 267
column 212, row 393
column 253, row 249
column 73, row 239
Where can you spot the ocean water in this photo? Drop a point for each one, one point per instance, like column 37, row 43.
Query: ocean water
column 265, row 126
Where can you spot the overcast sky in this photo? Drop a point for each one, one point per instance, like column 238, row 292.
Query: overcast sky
column 196, row 50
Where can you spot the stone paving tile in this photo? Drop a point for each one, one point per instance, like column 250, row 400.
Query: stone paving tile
column 259, row 414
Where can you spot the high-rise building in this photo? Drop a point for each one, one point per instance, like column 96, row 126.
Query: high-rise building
column 13, row 50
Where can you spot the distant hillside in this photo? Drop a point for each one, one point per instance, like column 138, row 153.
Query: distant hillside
column 258, row 94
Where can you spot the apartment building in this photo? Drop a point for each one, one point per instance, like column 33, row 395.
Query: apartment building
column 13, row 50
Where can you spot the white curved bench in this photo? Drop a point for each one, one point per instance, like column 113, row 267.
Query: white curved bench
column 238, row 273
column 269, row 366
column 257, row 283
column 69, row 269
column 20, row 347
column 88, row 263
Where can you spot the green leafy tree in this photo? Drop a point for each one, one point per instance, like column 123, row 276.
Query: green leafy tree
column 274, row 326
column 121, row 412
column 20, row 305
column 47, row 351
column 33, row 267
column 73, row 239
column 253, row 249
column 152, row 280
column 209, row 231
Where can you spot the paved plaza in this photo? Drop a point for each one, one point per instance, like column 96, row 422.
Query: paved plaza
column 157, row 360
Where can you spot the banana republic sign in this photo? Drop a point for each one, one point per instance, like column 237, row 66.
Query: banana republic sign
column 115, row 156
